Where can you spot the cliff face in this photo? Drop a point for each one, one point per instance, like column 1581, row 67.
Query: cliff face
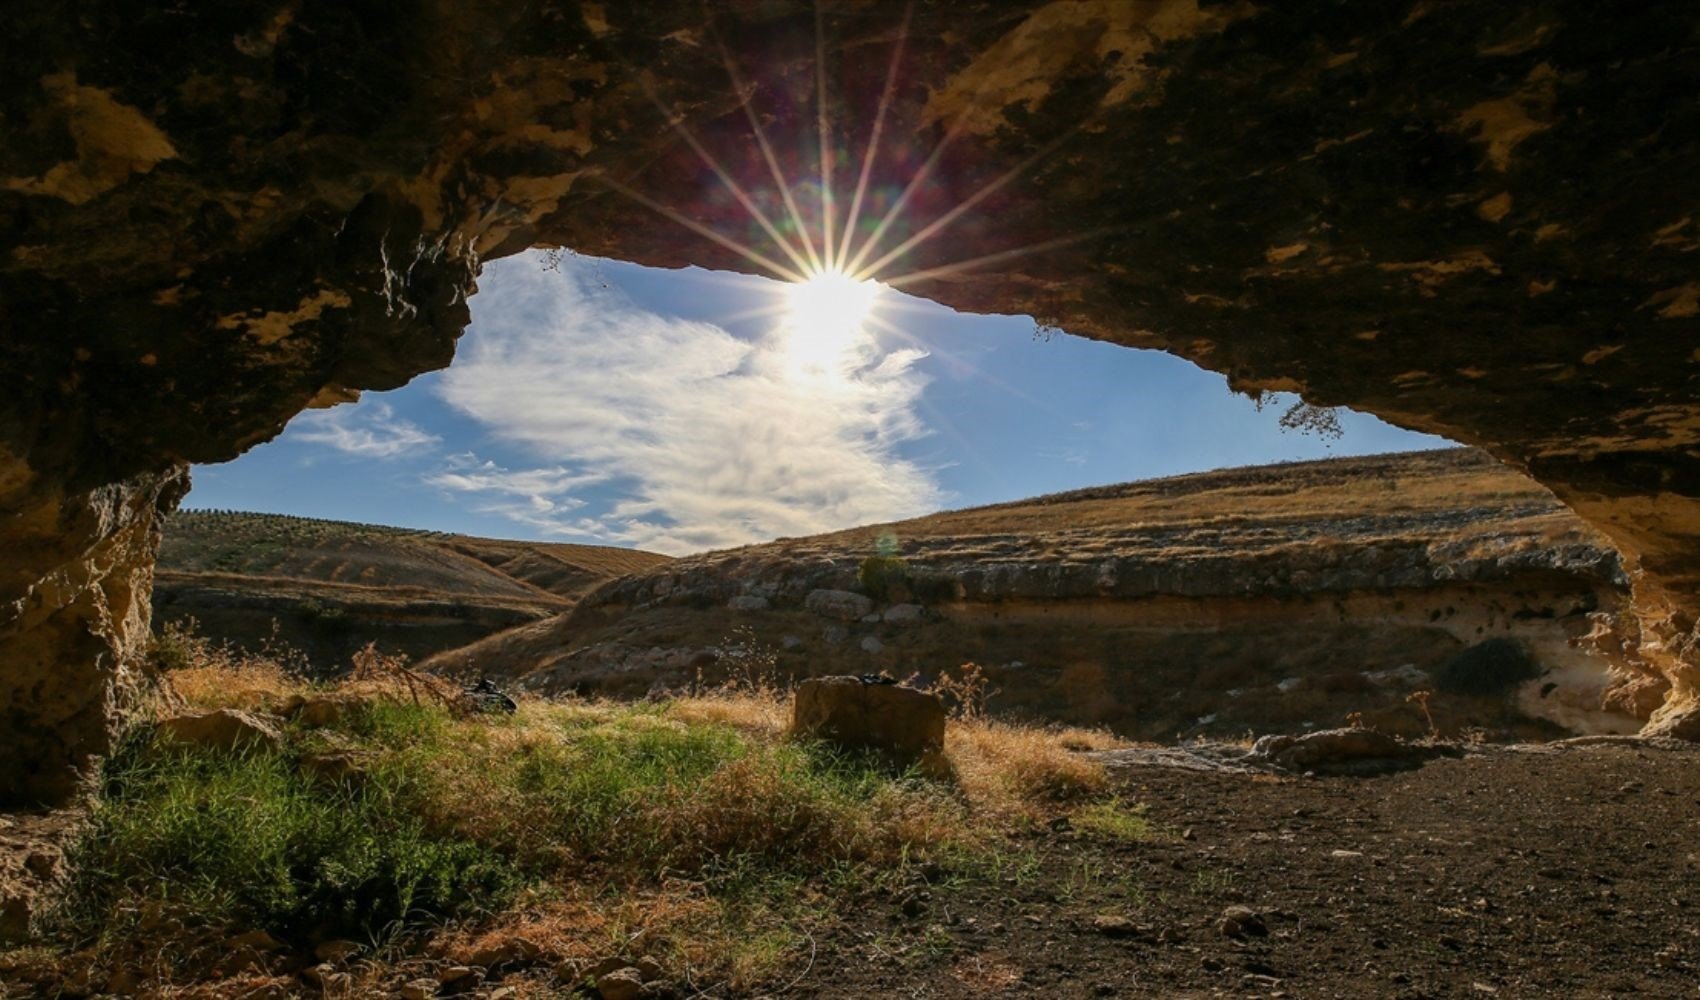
column 1471, row 219
column 1254, row 599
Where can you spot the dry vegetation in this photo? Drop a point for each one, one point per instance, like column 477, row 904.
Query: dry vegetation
column 1389, row 494
column 691, row 830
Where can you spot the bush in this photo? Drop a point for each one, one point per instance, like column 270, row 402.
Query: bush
column 879, row 576
column 1487, row 669
column 246, row 839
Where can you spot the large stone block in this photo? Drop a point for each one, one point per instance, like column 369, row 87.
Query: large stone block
column 900, row 723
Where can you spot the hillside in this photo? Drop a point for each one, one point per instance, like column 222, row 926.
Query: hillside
column 1276, row 597
column 332, row 586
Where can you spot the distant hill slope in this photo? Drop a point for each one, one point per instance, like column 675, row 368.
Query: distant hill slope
column 1255, row 597
column 331, row 586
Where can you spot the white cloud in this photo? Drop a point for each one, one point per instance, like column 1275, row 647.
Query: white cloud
column 705, row 439
column 369, row 430
column 535, row 497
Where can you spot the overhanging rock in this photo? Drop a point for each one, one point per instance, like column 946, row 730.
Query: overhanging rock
column 1473, row 219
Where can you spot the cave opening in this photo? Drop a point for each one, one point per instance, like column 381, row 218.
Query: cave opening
column 680, row 411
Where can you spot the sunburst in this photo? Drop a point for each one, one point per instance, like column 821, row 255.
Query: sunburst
column 832, row 282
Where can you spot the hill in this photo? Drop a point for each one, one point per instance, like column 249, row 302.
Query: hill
column 1280, row 597
column 332, row 586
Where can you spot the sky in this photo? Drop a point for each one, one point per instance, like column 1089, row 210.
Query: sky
column 685, row 410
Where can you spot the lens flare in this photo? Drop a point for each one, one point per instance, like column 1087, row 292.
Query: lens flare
column 826, row 318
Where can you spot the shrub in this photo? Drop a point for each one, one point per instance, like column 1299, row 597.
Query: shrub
column 879, row 576
column 247, row 839
column 1487, row 669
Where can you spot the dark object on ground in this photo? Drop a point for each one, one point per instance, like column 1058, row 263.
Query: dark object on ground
column 1342, row 751
column 1487, row 668
column 485, row 696
column 902, row 724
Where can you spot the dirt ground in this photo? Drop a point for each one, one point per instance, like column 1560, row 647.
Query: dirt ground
column 1512, row 873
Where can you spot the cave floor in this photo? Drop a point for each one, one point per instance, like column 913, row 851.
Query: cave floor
column 1517, row 873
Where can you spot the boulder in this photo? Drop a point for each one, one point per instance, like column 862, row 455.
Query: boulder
column 871, row 644
column 621, row 984
column 905, row 614
column 221, row 729
column 843, row 605
column 747, row 602
column 1240, row 922
column 900, row 723
column 1352, row 749
column 319, row 711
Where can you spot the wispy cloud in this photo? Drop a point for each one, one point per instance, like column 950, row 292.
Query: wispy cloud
column 704, row 439
column 369, row 430
column 538, row 498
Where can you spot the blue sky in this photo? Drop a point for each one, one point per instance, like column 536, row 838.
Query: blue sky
column 595, row 401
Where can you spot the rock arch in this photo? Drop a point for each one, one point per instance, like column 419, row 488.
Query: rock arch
column 1474, row 219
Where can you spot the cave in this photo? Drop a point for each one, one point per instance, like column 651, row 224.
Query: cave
column 1476, row 220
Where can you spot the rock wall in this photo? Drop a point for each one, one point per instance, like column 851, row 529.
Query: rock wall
column 74, row 607
column 1258, row 599
column 1473, row 219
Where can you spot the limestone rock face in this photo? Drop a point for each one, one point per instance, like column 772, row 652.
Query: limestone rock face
column 899, row 722
column 212, row 216
column 844, row 605
column 75, row 582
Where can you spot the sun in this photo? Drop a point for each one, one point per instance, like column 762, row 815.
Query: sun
column 825, row 319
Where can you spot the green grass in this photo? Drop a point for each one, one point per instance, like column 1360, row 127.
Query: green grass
column 581, row 827
column 1113, row 819
column 247, row 839
column 455, row 816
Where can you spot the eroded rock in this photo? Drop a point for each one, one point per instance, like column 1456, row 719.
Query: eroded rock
column 212, row 217
column 1333, row 750
column 898, row 722
column 221, row 729
column 843, row 605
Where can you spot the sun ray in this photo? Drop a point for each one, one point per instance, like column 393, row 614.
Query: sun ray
column 872, row 152
column 814, row 259
column 981, row 373
column 732, row 186
column 938, row 225
column 762, row 260
column 946, row 270
column 827, row 208
column 896, row 208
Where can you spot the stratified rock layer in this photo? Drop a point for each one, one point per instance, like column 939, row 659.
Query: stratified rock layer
column 1473, row 219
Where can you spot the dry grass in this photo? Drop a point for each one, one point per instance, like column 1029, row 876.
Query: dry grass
column 1011, row 771
column 220, row 675
column 693, row 830
column 752, row 711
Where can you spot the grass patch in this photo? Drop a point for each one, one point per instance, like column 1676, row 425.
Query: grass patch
column 692, row 830
column 246, row 839
column 1113, row 819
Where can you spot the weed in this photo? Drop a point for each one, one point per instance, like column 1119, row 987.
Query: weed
column 883, row 577
column 966, row 693
column 245, row 838
column 1420, row 699
column 1113, row 819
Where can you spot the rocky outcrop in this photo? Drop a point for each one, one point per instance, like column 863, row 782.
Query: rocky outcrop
column 213, row 216
column 75, row 582
column 1279, row 598
column 221, row 729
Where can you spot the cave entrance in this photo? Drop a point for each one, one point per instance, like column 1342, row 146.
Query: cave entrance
column 680, row 411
